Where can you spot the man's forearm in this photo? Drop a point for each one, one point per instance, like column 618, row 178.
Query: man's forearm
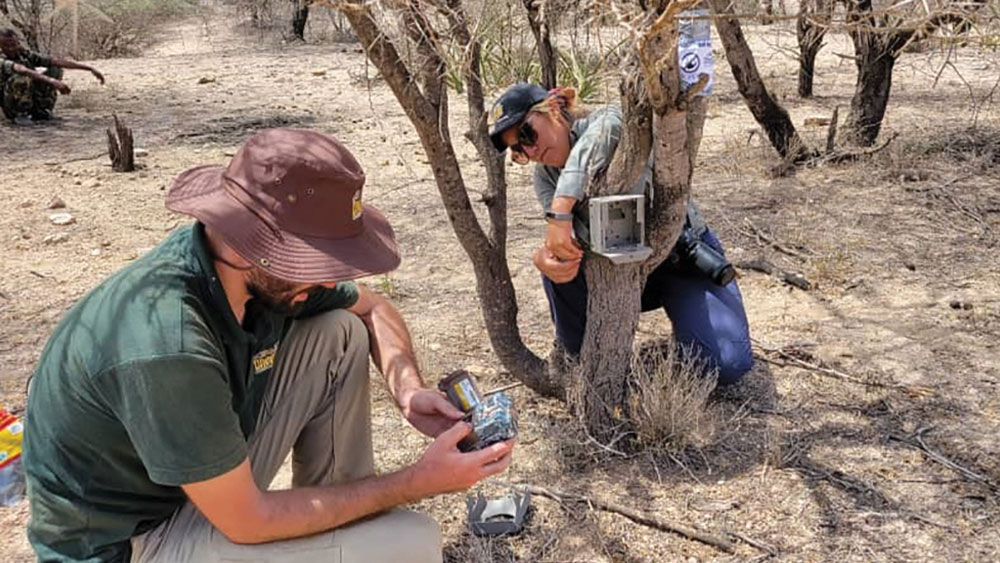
column 70, row 64
column 32, row 74
column 392, row 350
column 304, row 511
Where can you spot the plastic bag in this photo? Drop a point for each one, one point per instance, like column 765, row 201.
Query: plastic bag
column 11, row 470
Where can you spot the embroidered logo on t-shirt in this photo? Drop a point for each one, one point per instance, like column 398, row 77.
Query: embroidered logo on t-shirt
column 264, row 360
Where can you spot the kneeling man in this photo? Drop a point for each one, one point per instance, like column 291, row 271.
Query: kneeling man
column 167, row 398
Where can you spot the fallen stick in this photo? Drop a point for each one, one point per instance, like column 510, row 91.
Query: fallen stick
column 777, row 245
column 917, row 390
column 922, row 446
column 643, row 518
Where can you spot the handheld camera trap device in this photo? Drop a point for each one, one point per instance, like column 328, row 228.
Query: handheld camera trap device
column 618, row 228
column 493, row 418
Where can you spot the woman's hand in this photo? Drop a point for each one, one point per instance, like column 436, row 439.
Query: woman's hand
column 559, row 271
column 560, row 242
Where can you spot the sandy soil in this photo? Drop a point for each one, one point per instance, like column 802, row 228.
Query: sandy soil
column 900, row 248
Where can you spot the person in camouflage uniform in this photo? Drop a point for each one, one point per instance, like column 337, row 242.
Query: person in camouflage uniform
column 23, row 90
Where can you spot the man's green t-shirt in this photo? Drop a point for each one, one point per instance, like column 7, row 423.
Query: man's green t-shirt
column 148, row 383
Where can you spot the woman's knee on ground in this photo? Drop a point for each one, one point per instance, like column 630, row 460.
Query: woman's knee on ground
column 733, row 360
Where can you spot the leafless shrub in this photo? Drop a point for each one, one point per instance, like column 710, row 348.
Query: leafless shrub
column 110, row 28
column 669, row 406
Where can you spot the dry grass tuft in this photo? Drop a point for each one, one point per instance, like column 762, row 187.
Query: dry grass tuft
column 670, row 399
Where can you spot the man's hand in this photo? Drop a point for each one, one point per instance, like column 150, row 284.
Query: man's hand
column 559, row 240
column 559, row 271
column 444, row 469
column 97, row 74
column 61, row 87
column 429, row 411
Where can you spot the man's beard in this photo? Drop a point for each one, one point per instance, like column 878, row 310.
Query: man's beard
column 273, row 294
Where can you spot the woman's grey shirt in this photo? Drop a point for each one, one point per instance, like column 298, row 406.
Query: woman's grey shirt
column 593, row 140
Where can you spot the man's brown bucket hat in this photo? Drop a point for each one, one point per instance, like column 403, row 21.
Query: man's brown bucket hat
column 290, row 203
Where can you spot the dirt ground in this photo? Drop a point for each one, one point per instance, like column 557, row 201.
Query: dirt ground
column 904, row 312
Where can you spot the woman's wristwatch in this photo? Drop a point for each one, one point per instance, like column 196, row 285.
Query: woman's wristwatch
column 552, row 216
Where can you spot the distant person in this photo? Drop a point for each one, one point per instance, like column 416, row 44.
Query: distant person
column 168, row 397
column 26, row 92
column 570, row 146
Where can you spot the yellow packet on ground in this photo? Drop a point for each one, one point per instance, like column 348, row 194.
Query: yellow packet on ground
column 11, row 434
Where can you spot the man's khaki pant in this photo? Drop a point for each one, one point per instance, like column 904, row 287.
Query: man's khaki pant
column 317, row 406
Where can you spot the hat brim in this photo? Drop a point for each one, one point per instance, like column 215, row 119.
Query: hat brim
column 505, row 123
column 200, row 193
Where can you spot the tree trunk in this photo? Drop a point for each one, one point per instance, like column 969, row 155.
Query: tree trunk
column 664, row 124
column 539, row 24
column 810, row 28
column 875, row 51
column 871, row 95
column 300, row 15
column 768, row 113
column 427, row 110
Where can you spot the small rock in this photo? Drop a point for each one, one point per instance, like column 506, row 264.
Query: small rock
column 434, row 346
column 206, row 80
column 56, row 238
column 56, row 203
column 910, row 266
column 319, row 73
column 61, row 219
column 95, row 252
column 94, row 184
column 139, row 153
column 27, row 203
column 958, row 304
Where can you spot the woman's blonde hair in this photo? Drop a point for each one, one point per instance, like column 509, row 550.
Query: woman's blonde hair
column 561, row 99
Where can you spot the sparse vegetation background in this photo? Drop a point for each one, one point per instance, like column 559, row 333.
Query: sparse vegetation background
column 868, row 429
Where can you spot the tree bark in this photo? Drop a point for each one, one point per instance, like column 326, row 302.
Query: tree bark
column 300, row 15
column 768, row 113
column 539, row 24
column 871, row 95
column 876, row 47
column 660, row 122
column 810, row 28
column 427, row 110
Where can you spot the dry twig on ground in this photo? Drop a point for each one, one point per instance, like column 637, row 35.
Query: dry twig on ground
column 638, row 517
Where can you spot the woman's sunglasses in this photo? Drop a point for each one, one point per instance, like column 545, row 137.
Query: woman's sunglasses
column 526, row 137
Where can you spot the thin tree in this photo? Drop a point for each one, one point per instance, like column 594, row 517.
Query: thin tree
column 810, row 29
column 300, row 15
column 771, row 116
column 659, row 117
column 879, row 38
column 539, row 22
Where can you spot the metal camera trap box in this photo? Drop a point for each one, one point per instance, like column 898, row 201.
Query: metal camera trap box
column 618, row 228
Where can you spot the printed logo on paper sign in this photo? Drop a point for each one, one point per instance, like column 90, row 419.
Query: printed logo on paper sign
column 690, row 62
